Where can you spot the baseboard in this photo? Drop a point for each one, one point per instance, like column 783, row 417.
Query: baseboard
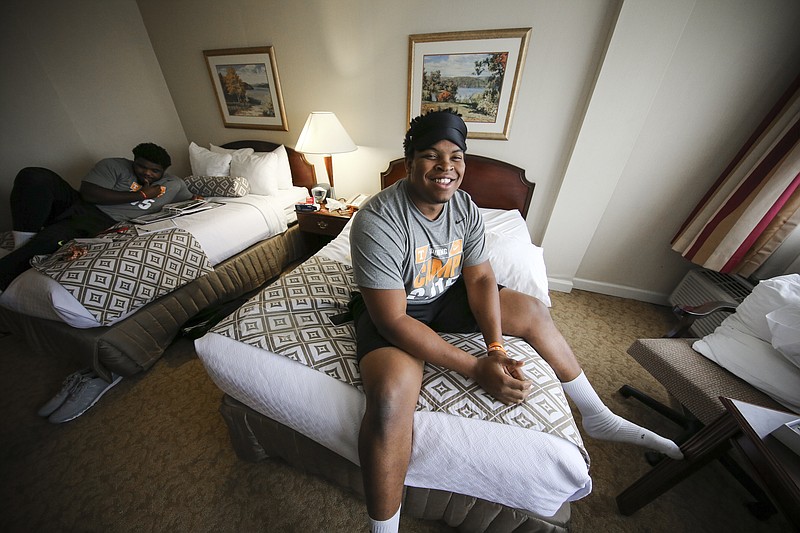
column 560, row 285
column 610, row 289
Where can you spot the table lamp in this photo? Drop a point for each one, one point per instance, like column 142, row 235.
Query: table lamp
column 324, row 134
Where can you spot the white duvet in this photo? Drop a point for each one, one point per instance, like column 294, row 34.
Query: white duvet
column 516, row 467
column 222, row 232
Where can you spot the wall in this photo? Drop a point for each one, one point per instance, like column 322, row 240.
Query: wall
column 681, row 111
column 627, row 110
column 661, row 93
column 80, row 82
column 351, row 57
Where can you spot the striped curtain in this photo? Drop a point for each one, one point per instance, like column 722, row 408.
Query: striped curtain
column 755, row 204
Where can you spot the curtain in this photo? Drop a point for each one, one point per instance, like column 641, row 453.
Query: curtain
column 755, row 204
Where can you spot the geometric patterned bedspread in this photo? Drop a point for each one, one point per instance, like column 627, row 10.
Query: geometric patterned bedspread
column 122, row 272
column 290, row 318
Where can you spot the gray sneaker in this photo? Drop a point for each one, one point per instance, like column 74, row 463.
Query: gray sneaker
column 66, row 388
column 85, row 394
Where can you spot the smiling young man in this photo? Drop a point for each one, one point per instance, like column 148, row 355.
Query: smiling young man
column 420, row 263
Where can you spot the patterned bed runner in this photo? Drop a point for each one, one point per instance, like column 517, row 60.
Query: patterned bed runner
column 113, row 277
column 290, row 317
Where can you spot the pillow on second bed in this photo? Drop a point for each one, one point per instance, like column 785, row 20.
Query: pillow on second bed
column 265, row 172
column 226, row 186
column 283, row 168
column 260, row 169
column 204, row 162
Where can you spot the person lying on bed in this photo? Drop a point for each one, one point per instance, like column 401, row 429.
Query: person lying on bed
column 420, row 263
column 46, row 211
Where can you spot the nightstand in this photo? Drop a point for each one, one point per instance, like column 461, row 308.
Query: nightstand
column 324, row 223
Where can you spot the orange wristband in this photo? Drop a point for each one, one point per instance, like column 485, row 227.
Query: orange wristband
column 495, row 347
column 143, row 194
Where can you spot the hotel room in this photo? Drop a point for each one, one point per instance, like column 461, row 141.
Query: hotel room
column 625, row 114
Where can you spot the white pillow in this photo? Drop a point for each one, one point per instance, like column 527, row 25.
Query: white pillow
column 784, row 324
column 204, row 162
column 755, row 361
column 260, row 169
column 743, row 343
column 238, row 151
column 518, row 265
column 283, row 169
column 506, row 222
column 767, row 296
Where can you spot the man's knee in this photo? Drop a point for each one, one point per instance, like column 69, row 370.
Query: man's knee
column 36, row 177
column 393, row 397
column 33, row 183
column 539, row 309
column 392, row 394
column 523, row 305
column 389, row 413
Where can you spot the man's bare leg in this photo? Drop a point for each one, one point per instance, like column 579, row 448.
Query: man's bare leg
column 392, row 381
column 526, row 317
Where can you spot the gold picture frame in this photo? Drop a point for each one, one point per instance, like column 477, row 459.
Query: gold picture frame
column 247, row 87
column 477, row 73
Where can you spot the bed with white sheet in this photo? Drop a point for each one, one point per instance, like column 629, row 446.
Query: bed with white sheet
column 292, row 389
column 245, row 242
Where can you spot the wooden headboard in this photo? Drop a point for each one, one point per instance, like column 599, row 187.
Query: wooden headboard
column 303, row 174
column 491, row 183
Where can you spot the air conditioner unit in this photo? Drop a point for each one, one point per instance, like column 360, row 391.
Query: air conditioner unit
column 700, row 286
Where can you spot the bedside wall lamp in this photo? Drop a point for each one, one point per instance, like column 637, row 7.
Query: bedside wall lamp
column 323, row 134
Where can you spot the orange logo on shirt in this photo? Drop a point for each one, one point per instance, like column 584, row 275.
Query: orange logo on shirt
column 437, row 267
column 421, row 254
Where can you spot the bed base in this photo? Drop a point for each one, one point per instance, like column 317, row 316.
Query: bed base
column 256, row 437
column 134, row 344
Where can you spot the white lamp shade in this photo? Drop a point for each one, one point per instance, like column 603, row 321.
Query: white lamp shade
column 324, row 134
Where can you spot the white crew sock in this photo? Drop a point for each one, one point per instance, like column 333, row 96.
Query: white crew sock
column 21, row 237
column 600, row 423
column 392, row 525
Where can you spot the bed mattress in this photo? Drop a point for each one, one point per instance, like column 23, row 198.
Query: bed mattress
column 256, row 437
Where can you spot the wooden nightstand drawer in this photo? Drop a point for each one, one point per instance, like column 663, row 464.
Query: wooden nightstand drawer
column 330, row 224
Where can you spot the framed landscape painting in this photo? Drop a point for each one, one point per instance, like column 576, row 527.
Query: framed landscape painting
column 247, row 87
column 476, row 73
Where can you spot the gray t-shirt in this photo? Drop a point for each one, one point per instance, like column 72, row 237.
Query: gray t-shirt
column 393, row 246
column 117, row 174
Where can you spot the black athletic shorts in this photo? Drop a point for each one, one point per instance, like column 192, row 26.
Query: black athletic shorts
column 450, row 313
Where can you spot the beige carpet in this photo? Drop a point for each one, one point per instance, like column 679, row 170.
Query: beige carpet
column 153, row 454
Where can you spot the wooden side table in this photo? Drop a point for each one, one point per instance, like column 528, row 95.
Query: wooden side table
column 747, row 427
column 323, row 222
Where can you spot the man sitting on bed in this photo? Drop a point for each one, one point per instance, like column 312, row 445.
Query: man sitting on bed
column 46, row 212
column 420, row 263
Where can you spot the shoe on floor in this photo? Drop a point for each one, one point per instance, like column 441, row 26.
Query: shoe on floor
column 85, row 394
column 66, row 388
